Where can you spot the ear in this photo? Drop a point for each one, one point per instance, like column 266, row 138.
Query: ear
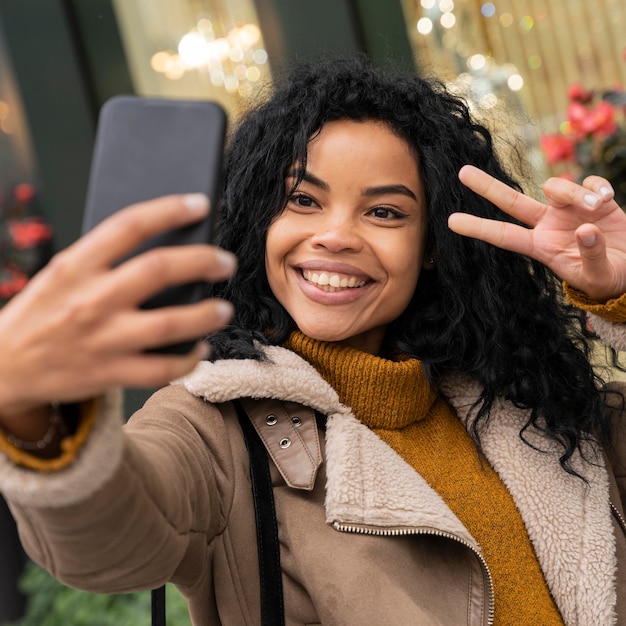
column 429, row 260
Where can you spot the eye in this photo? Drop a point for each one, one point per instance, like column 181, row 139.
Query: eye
column 385, row 213
column 302, row 200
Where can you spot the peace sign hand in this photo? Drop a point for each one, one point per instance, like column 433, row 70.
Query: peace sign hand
column 580, row 233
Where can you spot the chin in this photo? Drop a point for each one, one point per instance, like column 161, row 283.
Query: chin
column 323, row 336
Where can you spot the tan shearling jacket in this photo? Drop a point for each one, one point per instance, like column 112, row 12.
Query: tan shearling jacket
column 364, row 539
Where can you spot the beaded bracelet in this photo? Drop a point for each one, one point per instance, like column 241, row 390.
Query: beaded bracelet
column 56, row 426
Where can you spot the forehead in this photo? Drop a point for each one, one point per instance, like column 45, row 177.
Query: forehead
column 370, row 149
column 342, row 133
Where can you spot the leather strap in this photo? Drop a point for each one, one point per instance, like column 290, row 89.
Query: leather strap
column 290, row 436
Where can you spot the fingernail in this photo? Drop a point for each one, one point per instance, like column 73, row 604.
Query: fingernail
column 607, row 193
column 196, row 203
column 224, row 311
column 588, row 240
column 227, row 260
column 204, row 350
column 591, row 199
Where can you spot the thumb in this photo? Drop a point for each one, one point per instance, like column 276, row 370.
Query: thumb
column 595, row 271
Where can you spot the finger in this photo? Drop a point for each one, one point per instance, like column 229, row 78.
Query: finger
column 512, row 202
column 150, row 370
column 501, row 234
column 136, row 331
column 561, row 192
column 595, row 264
column 121, row 233
column 601, row 186
column 137, row 279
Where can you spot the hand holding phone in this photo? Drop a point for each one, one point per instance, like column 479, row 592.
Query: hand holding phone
column 76, row 331
column 151, row 147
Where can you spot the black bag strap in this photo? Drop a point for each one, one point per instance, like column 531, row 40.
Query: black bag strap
column 270, row 573
column 158, row 606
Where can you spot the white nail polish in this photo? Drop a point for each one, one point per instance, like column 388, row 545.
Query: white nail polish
column 606, row 193
column 227, row 260
column 204, row 350
column 196, row 203
column 591, row 199
column 588, row 240
column 225, row 310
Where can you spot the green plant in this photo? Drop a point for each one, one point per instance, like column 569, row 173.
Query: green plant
column 50, row 603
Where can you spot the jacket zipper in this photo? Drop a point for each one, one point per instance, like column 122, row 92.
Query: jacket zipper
column 393, row 532
column 619, row 517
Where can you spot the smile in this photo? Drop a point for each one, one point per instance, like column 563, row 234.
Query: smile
column 331, row 282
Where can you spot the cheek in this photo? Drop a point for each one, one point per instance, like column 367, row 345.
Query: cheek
column 403, row 259
column 276, row 248
column 404, row 270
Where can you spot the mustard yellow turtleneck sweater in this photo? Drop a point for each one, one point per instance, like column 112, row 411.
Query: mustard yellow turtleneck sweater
column 396, row 401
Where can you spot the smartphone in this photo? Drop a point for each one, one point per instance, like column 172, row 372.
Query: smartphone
column 150, row 147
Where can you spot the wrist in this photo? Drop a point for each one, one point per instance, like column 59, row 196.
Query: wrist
column 32, row 441
column 38, row 432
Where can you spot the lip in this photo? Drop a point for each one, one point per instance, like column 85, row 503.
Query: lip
column 333, row 267
column 343, row 296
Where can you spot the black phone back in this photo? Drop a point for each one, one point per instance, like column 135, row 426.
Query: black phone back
column 150, row 147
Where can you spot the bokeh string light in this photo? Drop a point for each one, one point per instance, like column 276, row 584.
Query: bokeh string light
column 233, row 61
column 478, row 78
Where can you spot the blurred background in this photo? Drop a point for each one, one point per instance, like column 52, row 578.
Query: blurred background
column 546, row 75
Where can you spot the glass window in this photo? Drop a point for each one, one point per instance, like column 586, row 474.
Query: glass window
column 190, row 49
column 16, row 159
column 25, row 237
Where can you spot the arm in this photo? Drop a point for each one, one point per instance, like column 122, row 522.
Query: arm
column 76, row 330
column 139, row 506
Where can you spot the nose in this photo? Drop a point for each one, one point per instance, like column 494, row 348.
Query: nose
column 337, row 232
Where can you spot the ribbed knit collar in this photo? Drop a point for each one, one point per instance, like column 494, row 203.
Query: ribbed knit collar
column 381, row 393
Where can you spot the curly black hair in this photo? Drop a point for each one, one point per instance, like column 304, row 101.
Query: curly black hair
column 485, row 312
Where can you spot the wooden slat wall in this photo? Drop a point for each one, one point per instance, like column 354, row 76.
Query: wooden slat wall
column 567, row 41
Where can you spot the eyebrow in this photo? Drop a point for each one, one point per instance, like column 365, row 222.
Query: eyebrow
column 369, row 191
column 309, row 178
column 390, row 189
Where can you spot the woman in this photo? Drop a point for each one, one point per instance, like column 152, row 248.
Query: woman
column 403, row 351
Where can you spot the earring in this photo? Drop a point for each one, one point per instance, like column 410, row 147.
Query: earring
column 431, row 260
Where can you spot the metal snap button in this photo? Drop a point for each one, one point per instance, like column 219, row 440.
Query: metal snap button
column 285, row 443
column 296, row 421
column 271, row 419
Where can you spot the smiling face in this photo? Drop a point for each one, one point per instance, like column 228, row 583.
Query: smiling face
column 344, row 256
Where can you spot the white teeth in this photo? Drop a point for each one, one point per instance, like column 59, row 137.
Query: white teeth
column 332, row 282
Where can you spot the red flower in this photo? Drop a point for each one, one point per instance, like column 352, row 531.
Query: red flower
column 600, row 120
column 24, row 192
column 558, row 147
column 576, row 114
column 577, row 93
column 29, row 232
column 16, row 282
